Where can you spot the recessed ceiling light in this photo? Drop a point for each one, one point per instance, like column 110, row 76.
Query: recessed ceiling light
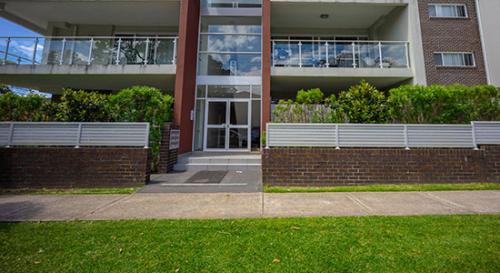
column 324, row 16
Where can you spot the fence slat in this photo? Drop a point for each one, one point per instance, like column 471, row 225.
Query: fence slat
column 74, row 134
column 382, row 135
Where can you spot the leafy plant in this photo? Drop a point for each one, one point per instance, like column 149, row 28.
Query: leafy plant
column 82, row 106
column 22, row 108
column 362, row 103
column 308, row 107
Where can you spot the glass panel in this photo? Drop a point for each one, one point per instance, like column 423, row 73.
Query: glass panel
column 162, row 51
column 340, row 54
column 52, row 51
column 200, row 91
column 77, row 51
column 199, row 125
column 238, row 138
column 368, row 55
column 216, row 113
column 255, row 133
column 286, row 53
column 394, row 55
column 230, row 43
column 238, row 114
column 229, row 91
column 20, row 50
column 469, row 60
column 133, row 51
column 216, row 138
column 231, row 24
column 432, row 10
column 102, row 51
column 452, row 59
column 3, row 48
column 437, row 59
column 256, row 91
column 230, row 64
column 231, row 3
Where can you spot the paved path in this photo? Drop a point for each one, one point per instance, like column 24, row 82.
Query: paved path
column 243, row 205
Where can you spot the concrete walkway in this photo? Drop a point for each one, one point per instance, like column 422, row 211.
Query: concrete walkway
column 243, row 205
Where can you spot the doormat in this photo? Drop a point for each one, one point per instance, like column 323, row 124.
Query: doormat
column 207, row 177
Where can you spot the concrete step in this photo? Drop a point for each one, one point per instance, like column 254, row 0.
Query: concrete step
column 218, row 161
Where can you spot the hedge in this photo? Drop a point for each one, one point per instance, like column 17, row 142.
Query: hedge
column 363, row 103
column 135, row 104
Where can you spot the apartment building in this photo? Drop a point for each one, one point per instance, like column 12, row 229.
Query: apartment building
column 227, row 61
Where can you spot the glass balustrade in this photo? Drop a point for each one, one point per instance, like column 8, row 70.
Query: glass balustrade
column 88, row 50
column 342, row 54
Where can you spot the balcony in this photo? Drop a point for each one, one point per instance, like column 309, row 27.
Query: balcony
column 22, row 59
column 340, row 54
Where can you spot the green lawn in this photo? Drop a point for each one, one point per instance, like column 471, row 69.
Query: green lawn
column 347, row 244
column 71, row 191
column 388, row 187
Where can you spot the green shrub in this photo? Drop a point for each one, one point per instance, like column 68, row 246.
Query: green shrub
column 143, row 104
column 362, row 103
column 81, row 106
column 311, row 96
column 22, row 108
column 443, row 104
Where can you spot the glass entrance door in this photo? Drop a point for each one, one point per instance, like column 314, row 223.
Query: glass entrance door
column 227, row 125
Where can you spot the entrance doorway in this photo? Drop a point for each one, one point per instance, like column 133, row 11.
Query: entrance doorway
column 227, row 125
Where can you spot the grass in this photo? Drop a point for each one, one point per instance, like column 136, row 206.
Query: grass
column 71, row 191
column 387, row 187
column 348, row 244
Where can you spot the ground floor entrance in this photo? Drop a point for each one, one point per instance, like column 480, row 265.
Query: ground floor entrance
column 227, row 125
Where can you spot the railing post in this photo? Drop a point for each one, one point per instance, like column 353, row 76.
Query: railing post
column 174, row 56
column 11, row 135
column 300, row 54
column 63, row 47
column 407, row 55
column 380, row 54
column 146, row 54
column 474, row 141
column 353, row 55
column 407, row 146
column 327, row 56
column 337, row 143
column 90, row 51
column 155, row 49
column 78, row 135
column 118, row 50
column 6, row 54
column 274, row 53
column 33, row 59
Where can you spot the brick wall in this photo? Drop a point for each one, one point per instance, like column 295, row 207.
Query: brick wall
column 65, row 167
column 168, row 157
column 453, row 35
column 328, row 166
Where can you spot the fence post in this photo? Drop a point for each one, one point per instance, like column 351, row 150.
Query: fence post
column 11, row 134
column 146, row 139
column 274, row 54
column 353, row 55
column 337, row 145
column 407, row 55
column 78, row 135
column 474, row 142
column 146, row 54
column 300, row 53
column 63, row 47
column 267, row 135
column 407, row 146
column 327, row 57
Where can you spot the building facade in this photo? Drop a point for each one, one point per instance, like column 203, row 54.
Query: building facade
column 227, row 61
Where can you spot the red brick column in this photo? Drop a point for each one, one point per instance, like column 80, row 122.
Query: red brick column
column 168, row 157
column 266, row 63
column 185, row 80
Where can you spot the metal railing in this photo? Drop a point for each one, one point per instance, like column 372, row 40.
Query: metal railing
column 88, row 50
column 131, row 134
column 345, row 54
column 383, row 135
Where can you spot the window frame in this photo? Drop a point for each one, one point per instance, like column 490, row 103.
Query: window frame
column 455, row 5
column 459, row 66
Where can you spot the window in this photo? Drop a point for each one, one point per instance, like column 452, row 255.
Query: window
column 454, row 59
column 448, row 10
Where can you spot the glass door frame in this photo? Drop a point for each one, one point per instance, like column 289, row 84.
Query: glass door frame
column 228, row 126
